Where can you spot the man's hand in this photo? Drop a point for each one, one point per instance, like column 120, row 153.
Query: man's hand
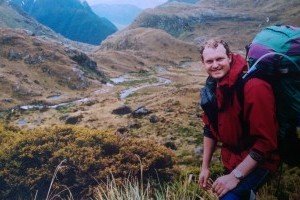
column 204, row 180
column 224, row 184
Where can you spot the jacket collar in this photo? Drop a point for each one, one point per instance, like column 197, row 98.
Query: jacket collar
column 237, row 67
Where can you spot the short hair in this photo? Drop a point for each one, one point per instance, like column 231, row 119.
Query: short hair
column 214, row 43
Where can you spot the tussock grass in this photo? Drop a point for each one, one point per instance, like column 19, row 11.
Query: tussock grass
column 131, row 188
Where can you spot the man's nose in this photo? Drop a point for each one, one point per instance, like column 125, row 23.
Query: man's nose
column 214, row 64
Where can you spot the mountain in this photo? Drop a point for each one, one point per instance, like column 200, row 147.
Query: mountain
column 236, row 21
column 73, row 19
column 12, row 16
column 120, row 14
column 32, row 68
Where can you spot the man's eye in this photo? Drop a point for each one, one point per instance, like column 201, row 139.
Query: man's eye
column 208, row 61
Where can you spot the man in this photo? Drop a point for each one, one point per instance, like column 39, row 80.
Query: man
column 248, row 131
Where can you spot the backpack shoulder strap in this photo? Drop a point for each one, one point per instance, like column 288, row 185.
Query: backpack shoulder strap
column 239, row 88
column 208, row 101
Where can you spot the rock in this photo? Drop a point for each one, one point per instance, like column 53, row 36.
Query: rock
column 198, row 151
column 82, row 59
column 13, row 55
column 123, row 110
column 134, row 125
column 170, row 145
column 74, row 119
column 8, row 100
column 154, row 119
column 141, row 111
column 122, row 130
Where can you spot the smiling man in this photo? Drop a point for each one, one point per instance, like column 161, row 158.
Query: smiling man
column 248, row 131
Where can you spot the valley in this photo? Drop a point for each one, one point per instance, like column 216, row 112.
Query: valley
column 152, row 65
column 171, row 94
column 141, row 82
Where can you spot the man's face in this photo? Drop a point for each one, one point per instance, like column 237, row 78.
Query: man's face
column 216, row 61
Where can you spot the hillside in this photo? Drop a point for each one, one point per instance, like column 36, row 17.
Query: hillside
column 143, row 48
column 46, row 72
column 71, row 18
column 235, row 21
column 15, row 18
column 35, row 68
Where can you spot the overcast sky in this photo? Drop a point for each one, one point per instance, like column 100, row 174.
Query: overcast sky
column 139, row 3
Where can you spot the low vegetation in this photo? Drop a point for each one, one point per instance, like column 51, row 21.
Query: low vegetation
column 28, row 160
column 70, row 162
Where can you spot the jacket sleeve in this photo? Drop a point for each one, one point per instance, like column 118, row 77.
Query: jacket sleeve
column 206, row 129
column 260, row 113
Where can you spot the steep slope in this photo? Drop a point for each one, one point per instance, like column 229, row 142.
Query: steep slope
column 33, row 68
column 14, row 17
column 71, row 18
column 10, row 17
column 235, row 21
column 120, row 14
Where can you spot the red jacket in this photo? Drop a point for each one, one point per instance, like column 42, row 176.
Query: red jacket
column 260, row 139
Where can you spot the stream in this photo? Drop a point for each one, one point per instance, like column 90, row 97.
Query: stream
column 127, row 92
column 124, row 94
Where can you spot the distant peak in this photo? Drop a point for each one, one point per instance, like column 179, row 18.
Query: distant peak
column 84, row 3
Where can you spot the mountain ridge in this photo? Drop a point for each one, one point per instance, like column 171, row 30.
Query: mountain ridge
column 234, row 21
column 71, row 18
column 14, row 17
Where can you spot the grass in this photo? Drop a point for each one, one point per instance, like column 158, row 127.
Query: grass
column 184, row 188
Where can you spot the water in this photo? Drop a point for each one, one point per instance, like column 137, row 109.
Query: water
column 123, row 94
column 22, row 122
column 120, row 79
column 30, row 107
column 54, row 97
column 126, row 93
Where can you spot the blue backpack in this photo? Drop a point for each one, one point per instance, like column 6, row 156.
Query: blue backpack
column 274, row 55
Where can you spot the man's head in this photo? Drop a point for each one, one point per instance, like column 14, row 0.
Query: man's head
column 216, row 58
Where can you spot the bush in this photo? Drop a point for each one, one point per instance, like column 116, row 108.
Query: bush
column 29, row 158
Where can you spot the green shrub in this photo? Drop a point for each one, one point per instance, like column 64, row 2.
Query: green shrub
column 28, row 159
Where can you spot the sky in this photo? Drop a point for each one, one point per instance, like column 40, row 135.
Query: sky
column 139, row 3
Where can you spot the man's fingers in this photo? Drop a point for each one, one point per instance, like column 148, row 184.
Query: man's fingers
column 223, row 192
